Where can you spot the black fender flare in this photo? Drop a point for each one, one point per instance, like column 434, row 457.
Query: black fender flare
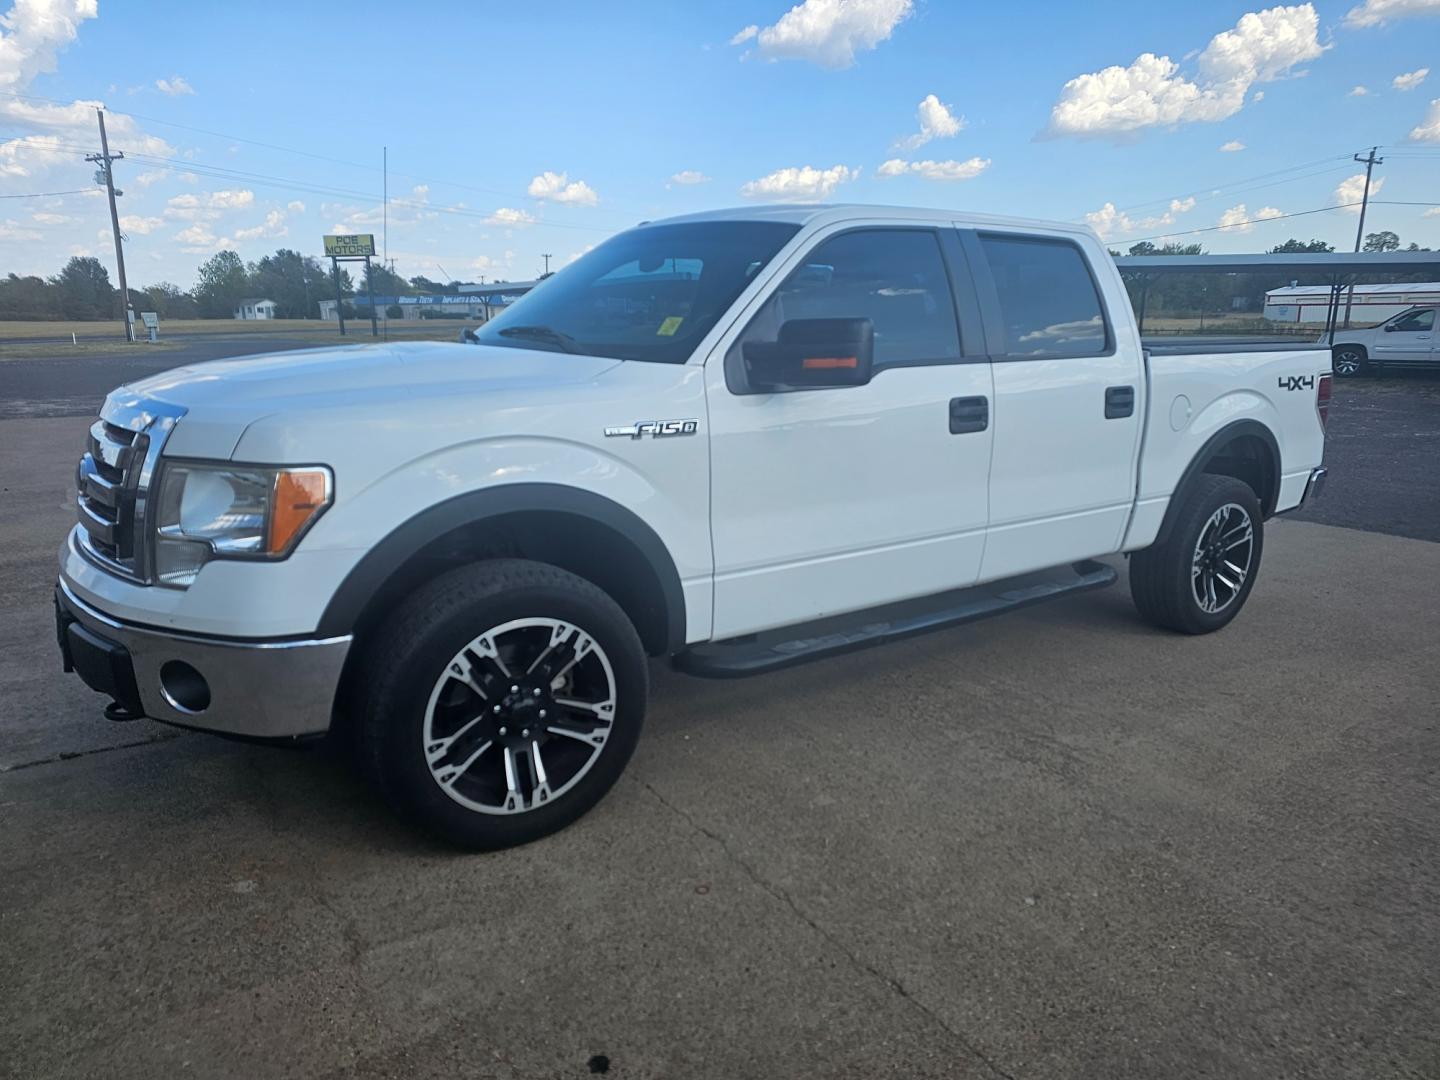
column 388, row 556
column 1207, row 452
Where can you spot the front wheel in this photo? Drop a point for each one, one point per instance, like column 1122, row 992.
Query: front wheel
column 501, row 702
column 1199, row 578
column 1349, row 361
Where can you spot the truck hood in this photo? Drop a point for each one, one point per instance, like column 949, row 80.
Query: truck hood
column 223, row 397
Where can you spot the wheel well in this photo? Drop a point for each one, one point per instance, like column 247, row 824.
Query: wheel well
column 571, row 541
column 1249, row 459
column 1335, row 349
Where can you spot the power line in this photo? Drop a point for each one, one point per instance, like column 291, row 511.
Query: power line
column 1260, row 221
column 46, row 194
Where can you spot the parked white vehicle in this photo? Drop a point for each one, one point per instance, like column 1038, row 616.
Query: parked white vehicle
column 1403, row 339
column 739, row 440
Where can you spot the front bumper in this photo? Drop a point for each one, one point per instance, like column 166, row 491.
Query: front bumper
column 259, row 689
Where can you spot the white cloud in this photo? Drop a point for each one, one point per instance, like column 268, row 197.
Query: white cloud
column 1232, row 147
column 1375, row 12
column 197, row 239
column 1352, row 190
column 1108, row 221
column 140, row 226
column 936, row 122
column 1358, row 91
column 936, row 170
column 273, row 225
column 827, row 32
column 805, row 184
column 689, row 176
column 510, row 218
column 1151, row 92
column 11, row 229
column 1257, row 97
column 1434, row 211
column 174, row 87
column 1239, row 219
column 207, row 206
column 44, row 217
column 295, row 206
column 1428, row 130
column 1410, row 80
column 557, row 187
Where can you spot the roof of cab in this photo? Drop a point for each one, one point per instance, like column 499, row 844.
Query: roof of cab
column 832, row 213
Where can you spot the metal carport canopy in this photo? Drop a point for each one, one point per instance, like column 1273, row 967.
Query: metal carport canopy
column 1364, row 262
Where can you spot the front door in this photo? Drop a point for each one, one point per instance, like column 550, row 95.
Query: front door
column 1069, row 400
column 829, row 500
column 1408, row 338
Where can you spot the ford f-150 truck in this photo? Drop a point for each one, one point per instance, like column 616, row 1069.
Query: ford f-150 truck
column 738, row 440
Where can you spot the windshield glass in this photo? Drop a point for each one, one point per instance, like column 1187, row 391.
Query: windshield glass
column 648, row 294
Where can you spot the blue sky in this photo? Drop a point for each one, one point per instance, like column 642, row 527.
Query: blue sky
column 260, row 126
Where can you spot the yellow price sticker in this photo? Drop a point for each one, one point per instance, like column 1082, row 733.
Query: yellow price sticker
column 669, row 326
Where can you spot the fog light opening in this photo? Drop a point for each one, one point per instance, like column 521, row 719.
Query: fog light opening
column 184, row 688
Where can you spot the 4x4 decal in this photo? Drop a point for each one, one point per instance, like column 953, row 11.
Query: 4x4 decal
column 1297, row 382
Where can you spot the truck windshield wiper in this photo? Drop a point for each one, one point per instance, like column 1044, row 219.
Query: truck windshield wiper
column 542, row 333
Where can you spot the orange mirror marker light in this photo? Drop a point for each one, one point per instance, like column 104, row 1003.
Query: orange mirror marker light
column 300, row 496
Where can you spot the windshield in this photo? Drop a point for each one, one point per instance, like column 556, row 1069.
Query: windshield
column 648, row 294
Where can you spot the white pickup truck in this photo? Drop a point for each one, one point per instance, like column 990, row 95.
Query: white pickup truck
column 738, row 440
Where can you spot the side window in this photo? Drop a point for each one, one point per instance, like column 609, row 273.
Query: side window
column 1417, row 320
column 1049, row 304
column 894, row 277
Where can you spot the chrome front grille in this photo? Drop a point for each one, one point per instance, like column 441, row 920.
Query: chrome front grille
column 113, row 482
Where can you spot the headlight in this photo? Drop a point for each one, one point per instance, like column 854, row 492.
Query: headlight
column 236, row 512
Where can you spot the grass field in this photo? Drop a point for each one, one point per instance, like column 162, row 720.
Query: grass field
column 400, row 329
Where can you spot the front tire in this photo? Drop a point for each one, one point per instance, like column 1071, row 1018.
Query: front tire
column 501, row 702
column 1199, row 578
column 1349, row 361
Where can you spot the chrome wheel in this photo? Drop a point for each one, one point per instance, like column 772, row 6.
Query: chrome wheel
column 519, row 716
column 1348, row 362
column 1222, row 558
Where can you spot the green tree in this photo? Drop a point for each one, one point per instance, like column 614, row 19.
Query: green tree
column 295, row 282
column 85, row 290
column 1302, row 247
column 1381, row 241
column 385, row 282
column 169, row 301
column 422, row 284
column 28, row 298
column 222, row 283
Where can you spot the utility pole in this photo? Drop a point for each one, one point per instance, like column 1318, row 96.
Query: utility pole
column 547, row 259
column 104, row 159
column 1369, row 161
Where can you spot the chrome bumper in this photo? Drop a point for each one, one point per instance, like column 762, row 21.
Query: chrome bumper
column 1315, row 486
column 261, row 689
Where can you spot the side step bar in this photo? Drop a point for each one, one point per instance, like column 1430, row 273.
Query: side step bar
column 759, row 653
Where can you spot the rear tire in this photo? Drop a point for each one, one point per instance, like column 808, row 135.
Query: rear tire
column 1349, row 361
column 501, row 702
column 1200, row 576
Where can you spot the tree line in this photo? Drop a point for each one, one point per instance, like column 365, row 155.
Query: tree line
column 297, row 283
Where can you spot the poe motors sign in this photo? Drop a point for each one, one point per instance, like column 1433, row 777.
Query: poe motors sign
column 352, row 246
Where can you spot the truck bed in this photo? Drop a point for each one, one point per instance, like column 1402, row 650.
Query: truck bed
column 1189, row 345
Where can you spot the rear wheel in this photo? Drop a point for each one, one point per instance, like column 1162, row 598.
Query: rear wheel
column 1349, row 361
column 1199, row 578
column 502, row 701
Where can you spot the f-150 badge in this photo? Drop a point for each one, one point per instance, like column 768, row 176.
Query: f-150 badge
column 656, row 429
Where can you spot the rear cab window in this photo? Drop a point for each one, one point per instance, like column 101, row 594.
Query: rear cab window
column 1049, row 300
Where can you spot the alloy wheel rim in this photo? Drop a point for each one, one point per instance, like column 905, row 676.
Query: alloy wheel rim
column 519, row 716
column 1347, row 363
column 1221, row 562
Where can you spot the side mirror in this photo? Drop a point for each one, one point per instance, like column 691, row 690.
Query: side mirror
column 1389, row 328
column 813, row 352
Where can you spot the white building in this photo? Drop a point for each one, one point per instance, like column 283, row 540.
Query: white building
column 255, row 309
column 1371, row 305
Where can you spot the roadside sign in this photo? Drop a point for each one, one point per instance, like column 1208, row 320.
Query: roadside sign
column 151, row 319
column 350, row 246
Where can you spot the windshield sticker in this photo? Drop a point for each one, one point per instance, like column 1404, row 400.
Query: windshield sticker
column 669, row 326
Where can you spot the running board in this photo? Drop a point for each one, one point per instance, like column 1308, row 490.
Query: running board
column 756, row 654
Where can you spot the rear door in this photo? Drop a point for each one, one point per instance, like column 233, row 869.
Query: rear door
column 828, row 500
column 1409, row 338
column 1069, row 399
